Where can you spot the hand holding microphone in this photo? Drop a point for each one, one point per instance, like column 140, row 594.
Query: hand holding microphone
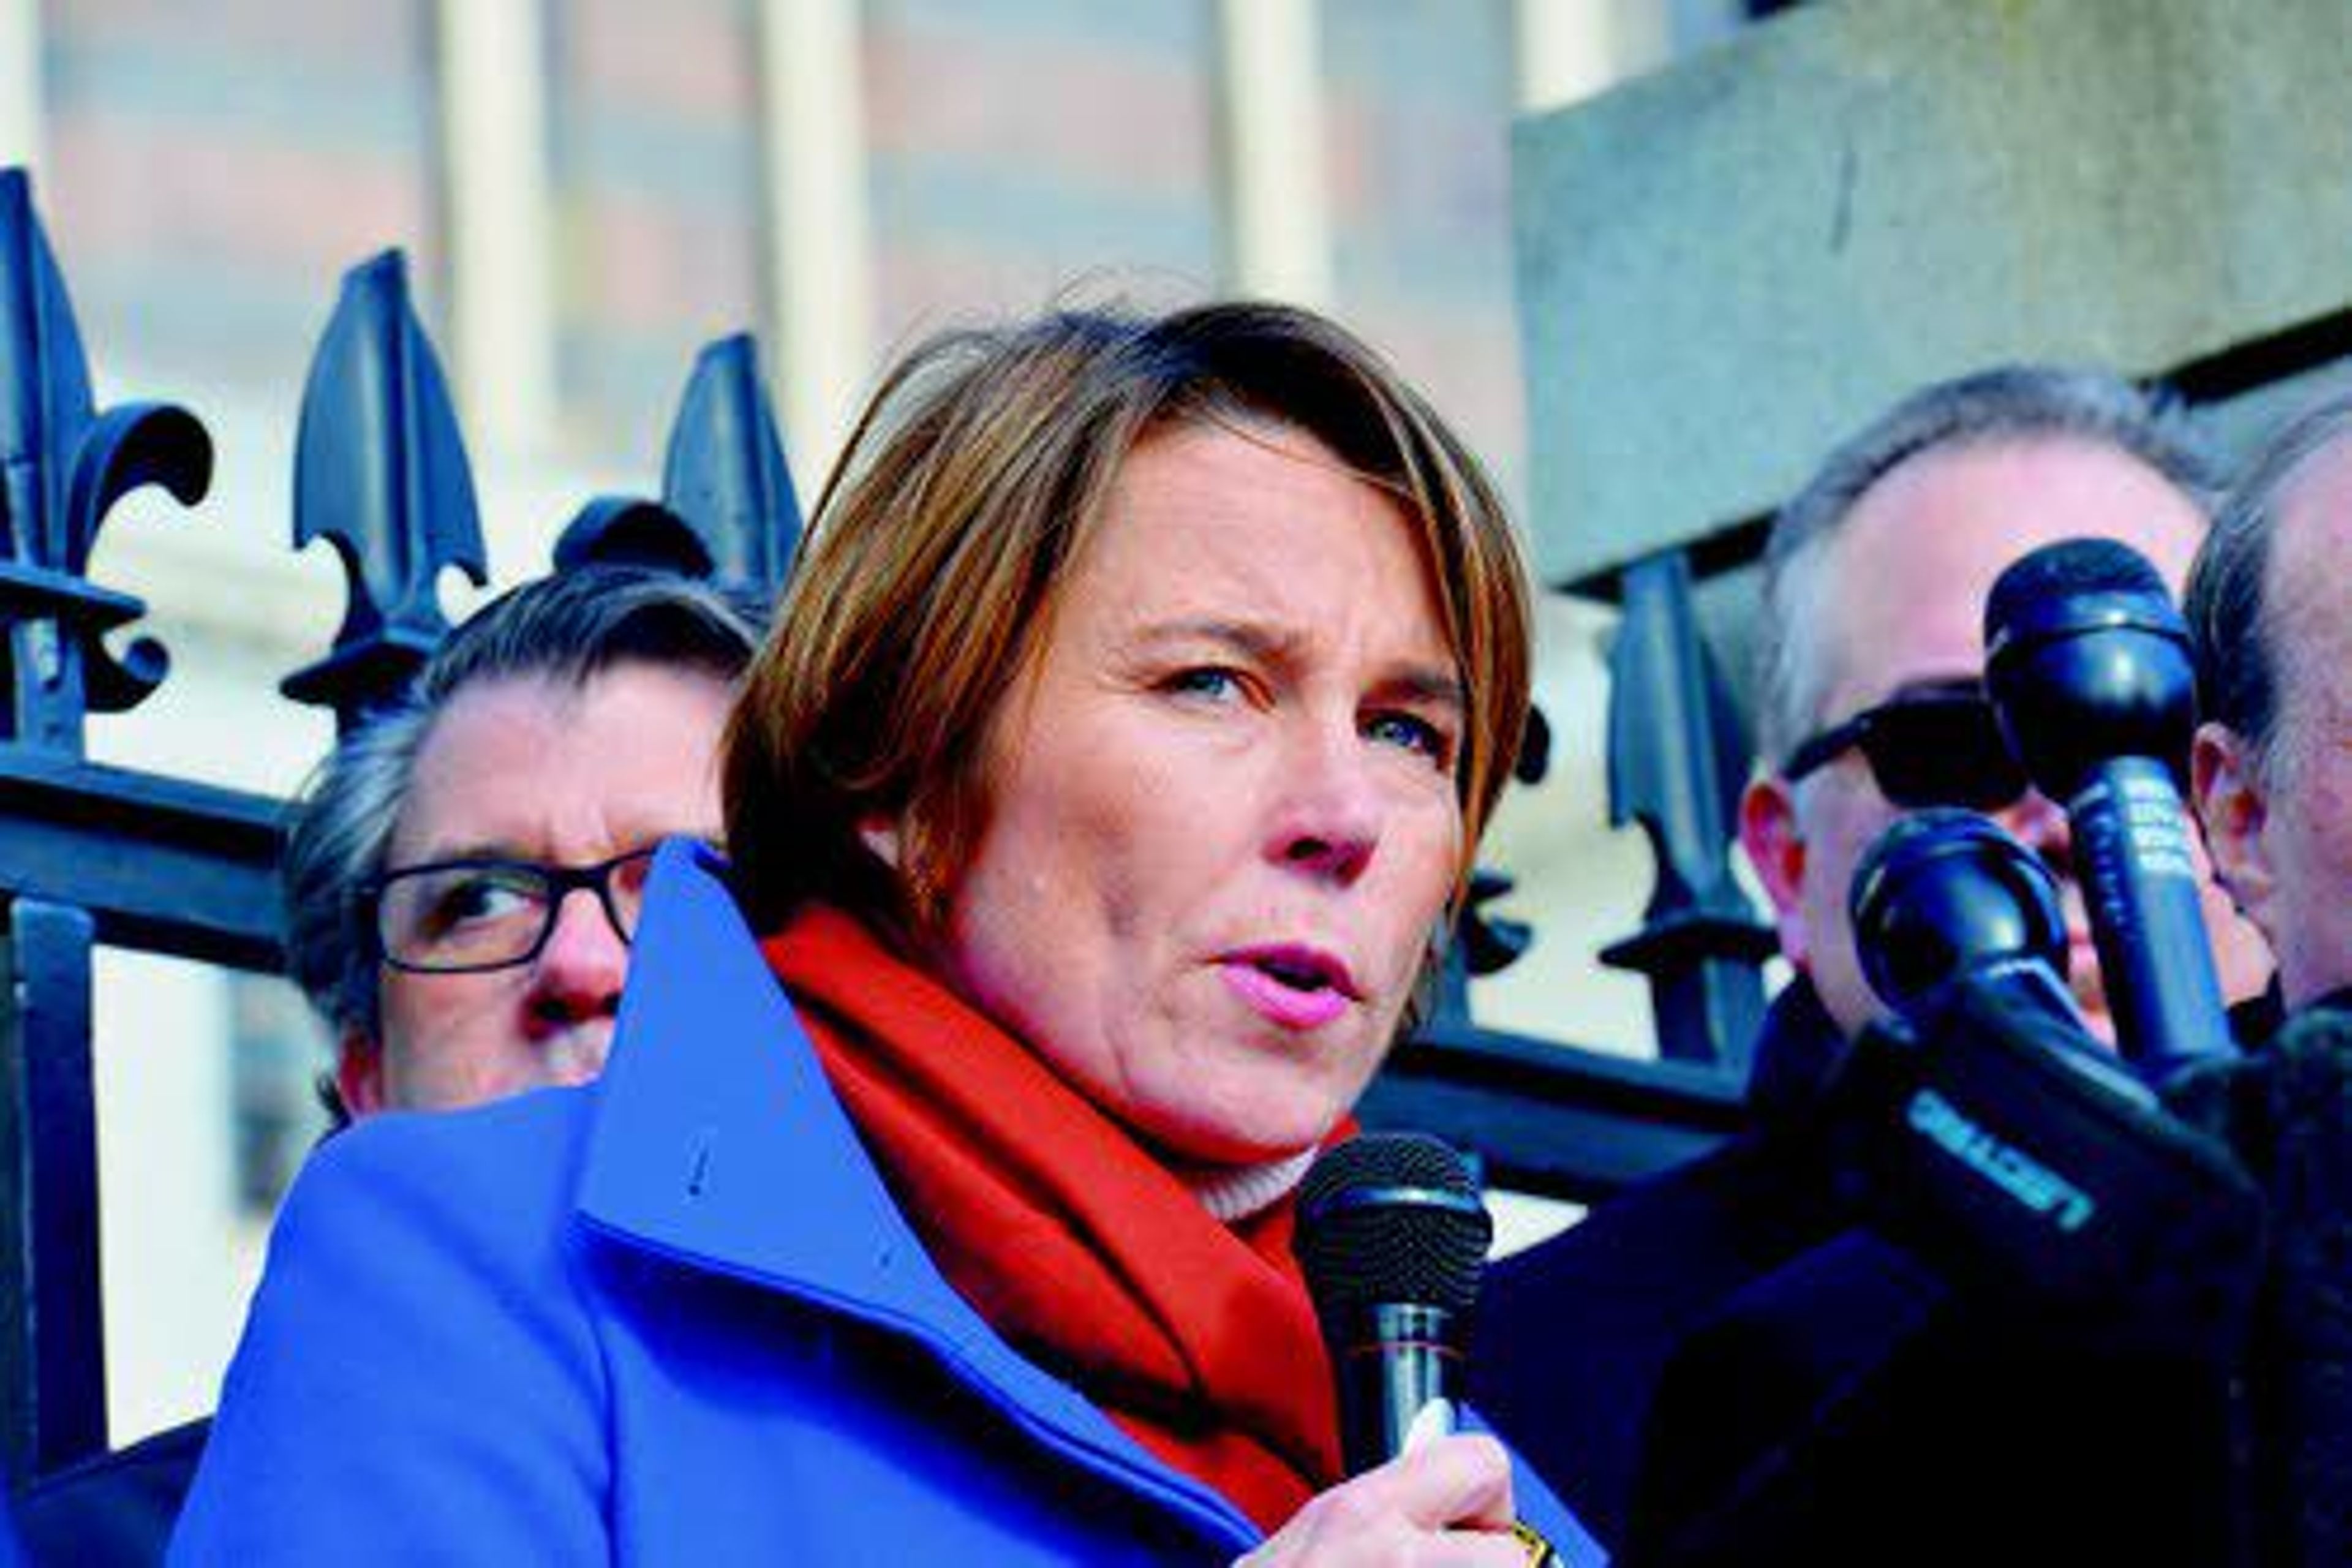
column 1456, row 1488
column 1392, row 1236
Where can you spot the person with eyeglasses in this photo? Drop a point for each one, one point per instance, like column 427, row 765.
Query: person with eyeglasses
column 462, row 881
column 1713, row 1343
column 463, row 877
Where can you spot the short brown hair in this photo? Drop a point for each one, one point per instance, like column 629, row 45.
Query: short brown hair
column 944, row 536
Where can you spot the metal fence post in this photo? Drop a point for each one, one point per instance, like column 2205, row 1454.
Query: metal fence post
column 1676, row 764
column 52, row 1356
column 63, row 465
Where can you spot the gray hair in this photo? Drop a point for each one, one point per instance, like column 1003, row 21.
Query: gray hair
column 2009, row 405
column 565, row 628
column 2237, row 661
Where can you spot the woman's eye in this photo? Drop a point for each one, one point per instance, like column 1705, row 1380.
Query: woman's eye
column 1414, row 733
column 1209, row 680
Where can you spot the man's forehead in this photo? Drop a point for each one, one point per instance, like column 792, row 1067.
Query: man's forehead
column 1906, row 578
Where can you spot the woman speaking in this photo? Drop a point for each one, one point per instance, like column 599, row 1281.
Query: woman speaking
column 1120, row 751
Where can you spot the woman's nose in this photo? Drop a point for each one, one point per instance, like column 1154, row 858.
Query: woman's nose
column 1327, row 819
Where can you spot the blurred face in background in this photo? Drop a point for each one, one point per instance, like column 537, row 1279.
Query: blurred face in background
column 1224, row 817
column 530, row 770
column 1901, row 596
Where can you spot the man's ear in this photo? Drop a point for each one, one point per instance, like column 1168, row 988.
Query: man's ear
column 1776, row 848
column 359, row 1073
column 2227, row 792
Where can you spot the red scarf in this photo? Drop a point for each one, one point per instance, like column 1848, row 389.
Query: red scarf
column 1069, row 1238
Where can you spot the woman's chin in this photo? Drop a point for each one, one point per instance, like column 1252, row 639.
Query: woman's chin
column 1224, row 1144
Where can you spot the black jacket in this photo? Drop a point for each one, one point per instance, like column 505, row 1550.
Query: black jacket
column 115, row 1511
column 1725, row 1365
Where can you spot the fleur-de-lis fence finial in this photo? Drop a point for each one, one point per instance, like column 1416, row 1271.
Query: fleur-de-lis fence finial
column 380, row 472
column 728, row 510
column 63, row 465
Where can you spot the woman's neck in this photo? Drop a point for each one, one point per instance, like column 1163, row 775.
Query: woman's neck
column 1232, row 1192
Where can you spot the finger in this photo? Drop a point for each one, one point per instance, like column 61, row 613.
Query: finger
column 1460, row 1482
column 1431, row 1422
column 1462, row 1549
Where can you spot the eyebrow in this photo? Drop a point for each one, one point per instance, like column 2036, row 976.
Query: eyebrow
column 449, row 854
column 472, row 851
column 1431, row 684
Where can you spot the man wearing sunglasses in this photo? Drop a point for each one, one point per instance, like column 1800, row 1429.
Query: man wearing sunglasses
column 1720, row 1365
column 1875, row 580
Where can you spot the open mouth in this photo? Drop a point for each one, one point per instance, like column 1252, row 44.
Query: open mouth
column 1297, row 986
column 1296, row 974
column 1296, row 967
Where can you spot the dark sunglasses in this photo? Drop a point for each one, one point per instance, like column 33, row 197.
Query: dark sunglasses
column 1937, row 746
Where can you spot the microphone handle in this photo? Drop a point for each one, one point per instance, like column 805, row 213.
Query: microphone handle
column 2139, row 874
column 1400, row 1369
column 1399, row 1358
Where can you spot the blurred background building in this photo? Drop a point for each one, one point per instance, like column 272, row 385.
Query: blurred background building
column 587, row 191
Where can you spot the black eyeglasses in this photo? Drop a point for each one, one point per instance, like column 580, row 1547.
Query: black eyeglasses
column 459, row 916
column 1935, row 745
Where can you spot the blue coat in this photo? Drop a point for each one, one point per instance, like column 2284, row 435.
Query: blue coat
column 672, row 1318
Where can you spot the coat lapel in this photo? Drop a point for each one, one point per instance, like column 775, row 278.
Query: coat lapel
column 718, row 1144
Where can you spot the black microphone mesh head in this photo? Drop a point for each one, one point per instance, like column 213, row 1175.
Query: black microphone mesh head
column 1943, row 891
column 2083, row 566
column 2087, row 661
column 2065, row 574
column 1391, row 1217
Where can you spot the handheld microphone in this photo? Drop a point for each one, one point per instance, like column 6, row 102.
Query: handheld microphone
column 1987, row 1132
column 2088, row 666
column 1945, row 892
column 1392, row 1236
column 1945, row 902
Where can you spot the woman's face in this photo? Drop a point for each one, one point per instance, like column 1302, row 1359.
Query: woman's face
column 1224, row 815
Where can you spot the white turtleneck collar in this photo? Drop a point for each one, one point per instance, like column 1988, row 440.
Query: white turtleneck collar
column 1232, row 1192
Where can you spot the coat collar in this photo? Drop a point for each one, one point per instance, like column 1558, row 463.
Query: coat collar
column 716, row 1139
column 1798, row 1051
column 717, row 1143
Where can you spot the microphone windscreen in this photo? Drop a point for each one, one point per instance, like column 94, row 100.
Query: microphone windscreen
column 2087, row 662
column 1943, row 891
column 1391, row 1217
column 2073, row 585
